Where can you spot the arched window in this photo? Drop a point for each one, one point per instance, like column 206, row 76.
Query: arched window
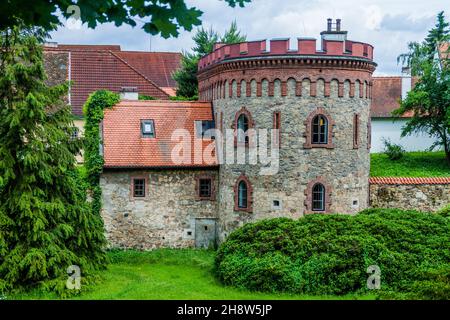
column 242, row 195
column 319, row 126
column 318, row 197
column 319, row 130
column 243, row 122
column 242, row 128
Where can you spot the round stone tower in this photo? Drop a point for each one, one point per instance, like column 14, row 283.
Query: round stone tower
column 320, row 102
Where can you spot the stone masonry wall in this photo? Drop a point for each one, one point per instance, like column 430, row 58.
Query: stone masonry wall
column 344, row 169
column 164, row 218
column 423, row 197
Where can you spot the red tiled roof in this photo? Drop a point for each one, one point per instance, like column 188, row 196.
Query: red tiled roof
column 70, row 47
column 387, row 92
column 92, row 70
column 400, row 180
column 125, row 148
column 444, row 51
column 157, row 66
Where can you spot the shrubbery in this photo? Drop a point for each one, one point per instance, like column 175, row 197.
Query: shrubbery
column 330, row 254
column 392, row 150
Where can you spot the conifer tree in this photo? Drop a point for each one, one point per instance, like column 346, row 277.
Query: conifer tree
column 46, row 224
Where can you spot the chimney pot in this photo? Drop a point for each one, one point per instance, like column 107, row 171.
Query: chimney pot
column 330, row 22
column 338, row 24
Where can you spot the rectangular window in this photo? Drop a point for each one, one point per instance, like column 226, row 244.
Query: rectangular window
column 203, row 129
column 277, row 126
column 147, row 129
column 355, row 131
column 205, row 188
column 138, row 187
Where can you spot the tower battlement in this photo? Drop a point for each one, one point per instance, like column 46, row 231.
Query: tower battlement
column 333, row 45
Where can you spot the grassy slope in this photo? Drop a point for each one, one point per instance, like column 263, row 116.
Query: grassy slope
column 167, row 274
column 413, row 164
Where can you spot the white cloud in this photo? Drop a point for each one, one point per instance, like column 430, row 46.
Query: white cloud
column 387, row 24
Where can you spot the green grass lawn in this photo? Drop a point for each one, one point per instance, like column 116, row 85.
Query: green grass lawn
column 413, row 164
column 167, row 274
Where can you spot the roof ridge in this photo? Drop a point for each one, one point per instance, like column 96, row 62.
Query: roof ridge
column 134, row 69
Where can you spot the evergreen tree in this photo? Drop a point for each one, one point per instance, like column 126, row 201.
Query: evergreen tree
column 429, row 100
column 204, row 40
column 46, row 224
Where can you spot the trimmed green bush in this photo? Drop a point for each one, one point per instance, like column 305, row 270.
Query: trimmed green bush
column 330, row 254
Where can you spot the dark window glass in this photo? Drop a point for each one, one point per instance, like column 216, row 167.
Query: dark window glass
column 320, row 130
column 318, row 197
column 242, row 127
column 139, row 188
column 147, row 128
column 204, row 128
column 205, row 188
column 242, row 195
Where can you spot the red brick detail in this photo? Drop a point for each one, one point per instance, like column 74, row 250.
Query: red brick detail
column 313, row 89
column 298, row 88
column 197, row 187
column 271, row 89
column 259, row 89
column 308, row 132
column 249, row 208
column 340, row 89
column 361, row 89
column 283, row 88
column 132, row 197
column 277, row 125
column 405, row 180
column 230, row 89
column 356, row 131
column 352, row 90
column 238, row 89
column 248, row 88
column 326, row 91
column 308, row 194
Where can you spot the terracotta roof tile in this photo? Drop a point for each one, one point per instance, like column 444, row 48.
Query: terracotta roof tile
column 125, row 148
column 387, row 92
column 400, row 180
column 157, row 66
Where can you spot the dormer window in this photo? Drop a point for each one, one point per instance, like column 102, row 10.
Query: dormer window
column 205, row 129
column 147, row 129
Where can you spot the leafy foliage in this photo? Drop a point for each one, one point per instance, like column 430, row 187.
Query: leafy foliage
column 392, row 150
column 330, row 254
column 166, row 16
column 145, row 97
column 429, row 100
column 204, row 40
column 46, row 224
column 93, row 159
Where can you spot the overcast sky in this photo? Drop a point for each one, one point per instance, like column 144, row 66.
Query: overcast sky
column 387, row 24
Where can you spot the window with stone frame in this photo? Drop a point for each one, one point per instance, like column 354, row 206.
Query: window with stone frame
column 242, row 123
column 243, row 194
column 139, row 187
column 204, row 187
column 356, row 131
column 319, row 130
column 318, row 196
column 277, row 126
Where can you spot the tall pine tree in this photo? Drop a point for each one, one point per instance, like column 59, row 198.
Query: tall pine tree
column 46, row 224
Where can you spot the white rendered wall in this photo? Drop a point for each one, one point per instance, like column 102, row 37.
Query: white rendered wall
column 387, row 128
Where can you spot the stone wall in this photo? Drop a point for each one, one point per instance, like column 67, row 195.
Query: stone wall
column 164, row 218
column 423, row 197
